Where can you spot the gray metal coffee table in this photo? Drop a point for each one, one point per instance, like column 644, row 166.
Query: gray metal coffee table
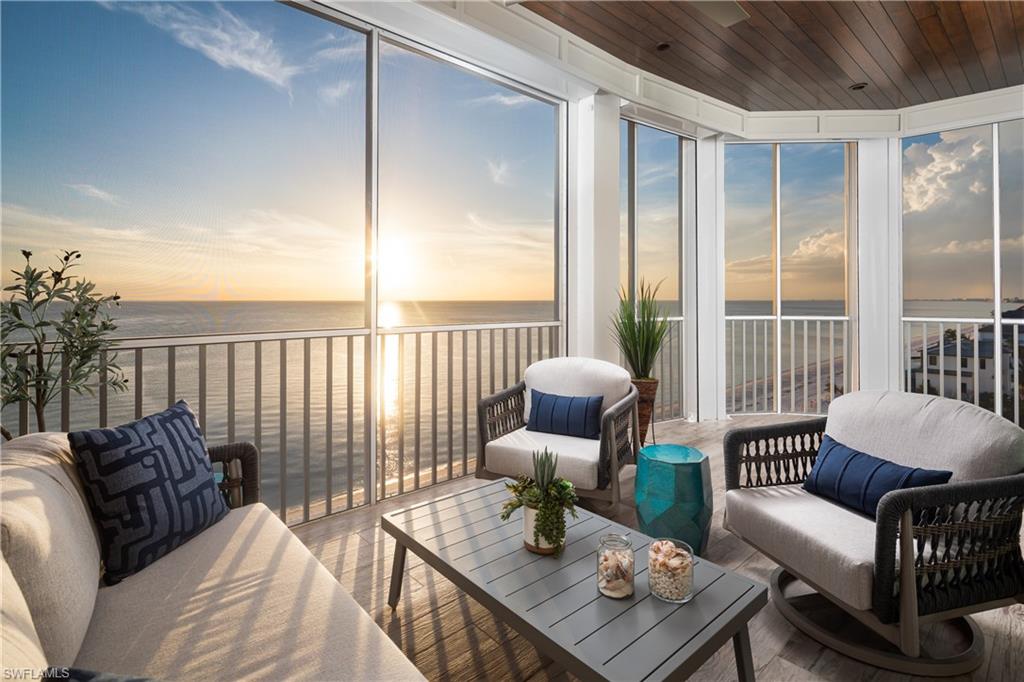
column 553, row 601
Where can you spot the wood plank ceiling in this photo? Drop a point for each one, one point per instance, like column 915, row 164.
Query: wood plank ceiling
column 807, row 55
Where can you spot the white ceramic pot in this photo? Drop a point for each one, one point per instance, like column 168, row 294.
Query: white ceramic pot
column 529, row 519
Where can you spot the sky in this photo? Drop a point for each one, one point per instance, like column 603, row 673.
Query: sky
column 948, row 213
column 216, row 152
column 813, row 231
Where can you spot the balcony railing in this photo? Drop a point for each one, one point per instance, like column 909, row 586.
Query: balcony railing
column 669, row 370
column 811, row 370
column 961, row 358
column 302, row 398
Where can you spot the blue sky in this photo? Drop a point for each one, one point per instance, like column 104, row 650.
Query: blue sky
column 813, row 230
column 202, row 151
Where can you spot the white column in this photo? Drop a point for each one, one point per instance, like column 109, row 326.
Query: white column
column 710, row 278
column 879, row 265
column 594, row 226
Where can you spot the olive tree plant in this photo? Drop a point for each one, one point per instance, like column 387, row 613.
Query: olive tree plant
column 52, row 322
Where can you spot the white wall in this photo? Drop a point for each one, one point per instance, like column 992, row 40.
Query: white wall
column 879, row 267
column 594, row 234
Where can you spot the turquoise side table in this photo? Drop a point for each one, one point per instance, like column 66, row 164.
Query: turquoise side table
column 673, row 494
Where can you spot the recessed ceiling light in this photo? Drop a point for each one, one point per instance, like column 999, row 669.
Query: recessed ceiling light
column 661, row 47
column 858, row 86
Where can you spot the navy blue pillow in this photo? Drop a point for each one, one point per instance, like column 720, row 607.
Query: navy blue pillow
column 150, row 487
column 568, row 416
column 857, row 480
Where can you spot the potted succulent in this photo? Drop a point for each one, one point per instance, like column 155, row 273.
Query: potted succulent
column 544, row 499
column 640, row 329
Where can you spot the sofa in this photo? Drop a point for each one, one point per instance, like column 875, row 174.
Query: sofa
column 506, row 447
column 932, row 555
column 245, row 599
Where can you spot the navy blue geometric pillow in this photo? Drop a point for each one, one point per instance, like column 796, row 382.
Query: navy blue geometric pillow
column 149, row 485
column 565, row 415
column 858, row 480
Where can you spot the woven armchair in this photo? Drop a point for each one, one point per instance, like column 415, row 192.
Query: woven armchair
column 940, row 552
column 247, row 471
column 502, row 420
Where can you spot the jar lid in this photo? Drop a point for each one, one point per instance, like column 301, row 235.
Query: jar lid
column 616, row 541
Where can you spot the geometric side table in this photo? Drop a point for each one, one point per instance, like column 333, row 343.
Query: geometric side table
column 673, row 494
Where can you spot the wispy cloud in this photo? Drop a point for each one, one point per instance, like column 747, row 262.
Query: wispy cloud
column 957, row 247
column 223, row 37
column 339, row 53
column 509, row 100
column 94, row 192
column 500, row 171
column 331, row 94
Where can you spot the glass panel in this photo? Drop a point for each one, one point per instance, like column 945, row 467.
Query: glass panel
column 467, row 184
column 947, row 224
column 813, row 227
column 749, row 274
column 1011, row 214
column 207, row 160
column 657, row 211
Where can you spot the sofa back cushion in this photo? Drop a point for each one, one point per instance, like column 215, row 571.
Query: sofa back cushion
column 929, row 432
column 577, row 376
column 49, row 541
column 150, row 487
column 19, row 643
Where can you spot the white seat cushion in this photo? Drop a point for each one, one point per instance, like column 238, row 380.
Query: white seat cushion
column 824, row 542
column 927, row 431
column 512, row 455
column 244, row 599
column 49, row 540
column 576, row 376
column 19, row 644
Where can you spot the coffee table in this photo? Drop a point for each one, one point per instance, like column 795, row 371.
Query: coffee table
column 553, row 601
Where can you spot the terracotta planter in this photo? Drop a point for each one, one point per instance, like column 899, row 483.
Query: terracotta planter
column 529, row 519
column 648, row 389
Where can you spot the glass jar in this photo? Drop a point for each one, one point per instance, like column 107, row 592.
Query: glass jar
column 670, row 570
column 615, row 566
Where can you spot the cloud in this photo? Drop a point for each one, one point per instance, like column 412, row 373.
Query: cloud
column 222, row 37
column 331, row 94
column 340, row 53
column 821, row 244
column 94, row 192
column 511, row 100
column 934, row 175
column 957, row 247
column 500, row 171
column 651, row 174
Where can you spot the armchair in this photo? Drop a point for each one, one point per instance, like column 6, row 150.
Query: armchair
column 933, row 554
column 242, row 466
column 505, row 447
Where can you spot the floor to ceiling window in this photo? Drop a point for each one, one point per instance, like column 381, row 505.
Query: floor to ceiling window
column 328, row 241
column 655, row 169
column 787, row 286
column 963, row 265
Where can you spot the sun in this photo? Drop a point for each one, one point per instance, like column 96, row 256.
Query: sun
column 395, row 267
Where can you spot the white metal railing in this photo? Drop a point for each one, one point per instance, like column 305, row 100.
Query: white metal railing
column 966, row 358
column 669, row 370
column 810, row 371
column 302, row 398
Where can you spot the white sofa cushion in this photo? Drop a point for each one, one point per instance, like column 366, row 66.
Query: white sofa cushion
column 927, row 431
column 826, row 543
column 19, row 644
column 512, row 455
column 576, row 376
column 49, row 540
column 244, row 599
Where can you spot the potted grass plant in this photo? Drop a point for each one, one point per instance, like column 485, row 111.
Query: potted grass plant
column 545, row 499
column 639, row 329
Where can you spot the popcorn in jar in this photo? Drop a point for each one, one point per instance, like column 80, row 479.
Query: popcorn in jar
column 670, row 570
column 615, row 566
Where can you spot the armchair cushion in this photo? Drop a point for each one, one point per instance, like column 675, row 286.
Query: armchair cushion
column 576, row 376
column 929, row 432
column 566, row 415
column 512, row 455
column 858, row 480
column 828, row 544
